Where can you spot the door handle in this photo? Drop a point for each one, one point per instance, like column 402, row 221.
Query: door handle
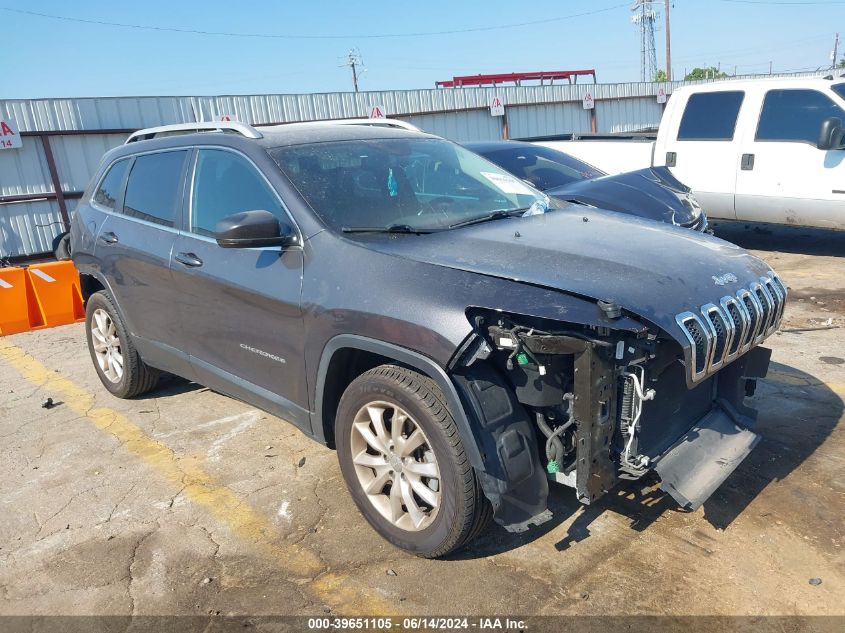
column 109, row 238
column 188, row 259
column 671, row 159
column 747, row 163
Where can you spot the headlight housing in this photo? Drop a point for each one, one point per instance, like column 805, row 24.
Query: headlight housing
column 691, row 204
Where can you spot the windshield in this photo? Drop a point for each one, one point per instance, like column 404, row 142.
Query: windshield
column 417, row 183
column 543, row 167
column 839, row 89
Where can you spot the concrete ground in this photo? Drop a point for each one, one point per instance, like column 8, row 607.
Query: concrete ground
column 188, row 502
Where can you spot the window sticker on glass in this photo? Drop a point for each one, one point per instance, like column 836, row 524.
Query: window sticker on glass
column 508, row 184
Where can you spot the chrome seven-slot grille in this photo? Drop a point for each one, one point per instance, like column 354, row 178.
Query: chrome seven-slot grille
column 722, row 332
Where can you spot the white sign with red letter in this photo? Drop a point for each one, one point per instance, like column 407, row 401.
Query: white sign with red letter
column 661, row 96
column 497, row 107
column 378, row 112
column 10, row 137
column 589, row 103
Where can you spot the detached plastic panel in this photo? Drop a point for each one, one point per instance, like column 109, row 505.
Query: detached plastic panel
column 709, row 452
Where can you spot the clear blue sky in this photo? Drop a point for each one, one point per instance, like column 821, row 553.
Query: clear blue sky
column 46, row 57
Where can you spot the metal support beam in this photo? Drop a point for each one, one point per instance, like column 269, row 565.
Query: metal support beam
column 595, row 412
column 38, row 197
column 54, row 176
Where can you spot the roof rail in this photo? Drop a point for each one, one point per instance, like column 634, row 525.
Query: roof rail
column 209, row 126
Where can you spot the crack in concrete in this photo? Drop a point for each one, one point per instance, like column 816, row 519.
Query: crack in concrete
column 157, row 419
column 116, row 505
column 132, row 559
column 70, row 500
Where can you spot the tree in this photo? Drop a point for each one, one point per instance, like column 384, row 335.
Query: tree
column 660, row 75
column 705, row 73
column 841, row 63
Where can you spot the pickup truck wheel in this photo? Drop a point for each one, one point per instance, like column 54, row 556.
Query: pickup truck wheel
column 404, row 463
column 116, row 360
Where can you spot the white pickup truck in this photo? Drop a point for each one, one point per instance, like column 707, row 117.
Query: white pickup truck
column 764, row 150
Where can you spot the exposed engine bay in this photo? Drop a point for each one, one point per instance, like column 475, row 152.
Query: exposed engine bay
column 607, row 405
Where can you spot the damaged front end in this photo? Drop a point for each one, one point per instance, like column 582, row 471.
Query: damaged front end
column 587, row 406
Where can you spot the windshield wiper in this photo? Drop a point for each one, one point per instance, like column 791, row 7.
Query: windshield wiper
column 495, row 215
column 393, row 228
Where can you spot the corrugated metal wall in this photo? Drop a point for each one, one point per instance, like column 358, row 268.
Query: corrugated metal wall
column 28, row 227
column 461, row 114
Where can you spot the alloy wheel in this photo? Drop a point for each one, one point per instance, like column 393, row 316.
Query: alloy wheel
column 106, row 345
column 396, row 466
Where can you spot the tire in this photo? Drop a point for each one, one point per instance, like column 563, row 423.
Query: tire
column 61, row 247
column 135, row 377
column 389, row 393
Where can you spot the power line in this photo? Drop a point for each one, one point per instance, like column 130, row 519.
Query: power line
column 298, row 36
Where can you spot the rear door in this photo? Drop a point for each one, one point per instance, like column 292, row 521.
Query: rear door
column 704, row 154
column 240, row 308
column 784, row 177
column 134, row 245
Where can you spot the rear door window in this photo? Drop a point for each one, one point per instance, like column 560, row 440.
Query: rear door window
column 711, row 116
column 795, row 115
column 225, row 183
column 154, row 190
column 108, row 192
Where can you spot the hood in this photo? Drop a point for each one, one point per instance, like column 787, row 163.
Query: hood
column 647, row 193
column 653, row 270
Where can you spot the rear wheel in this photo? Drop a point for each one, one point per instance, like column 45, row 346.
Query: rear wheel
column 61, row 247
column 405, row 465
column 115, row 358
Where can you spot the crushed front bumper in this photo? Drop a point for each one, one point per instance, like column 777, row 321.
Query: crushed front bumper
column 709, row 452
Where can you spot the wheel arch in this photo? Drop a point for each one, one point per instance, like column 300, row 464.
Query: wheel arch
column 90, row 283
column 348, row 355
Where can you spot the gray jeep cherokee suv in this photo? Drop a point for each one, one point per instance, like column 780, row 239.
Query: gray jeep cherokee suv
column 403, row 300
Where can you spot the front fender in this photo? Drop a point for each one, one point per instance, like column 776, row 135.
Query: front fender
column 497, row 435
column 512, row 476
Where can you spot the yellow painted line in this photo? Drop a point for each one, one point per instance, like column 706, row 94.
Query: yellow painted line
column 342, row 593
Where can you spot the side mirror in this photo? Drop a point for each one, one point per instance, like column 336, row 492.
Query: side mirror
column 250, row 229
column 831, row 134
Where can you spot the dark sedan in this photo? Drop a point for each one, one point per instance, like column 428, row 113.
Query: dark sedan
column 652, row 193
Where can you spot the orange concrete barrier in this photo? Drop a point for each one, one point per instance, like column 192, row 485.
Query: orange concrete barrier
column 18, row 308
column 57, row 292
column 39, row 296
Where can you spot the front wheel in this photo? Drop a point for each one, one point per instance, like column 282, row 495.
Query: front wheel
column 404, row 462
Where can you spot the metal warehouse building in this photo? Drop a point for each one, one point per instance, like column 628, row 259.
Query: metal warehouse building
column 63, row 139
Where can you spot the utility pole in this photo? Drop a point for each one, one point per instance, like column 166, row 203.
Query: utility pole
column 835, row 51
column 353, row 60
column 668, row 45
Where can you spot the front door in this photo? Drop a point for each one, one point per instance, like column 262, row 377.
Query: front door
column 240, row 308
column 786, row 179
column 705, row 154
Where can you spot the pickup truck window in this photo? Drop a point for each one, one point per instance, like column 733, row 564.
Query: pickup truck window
column 795, row 115
column 711, row 116
column 839, row 89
